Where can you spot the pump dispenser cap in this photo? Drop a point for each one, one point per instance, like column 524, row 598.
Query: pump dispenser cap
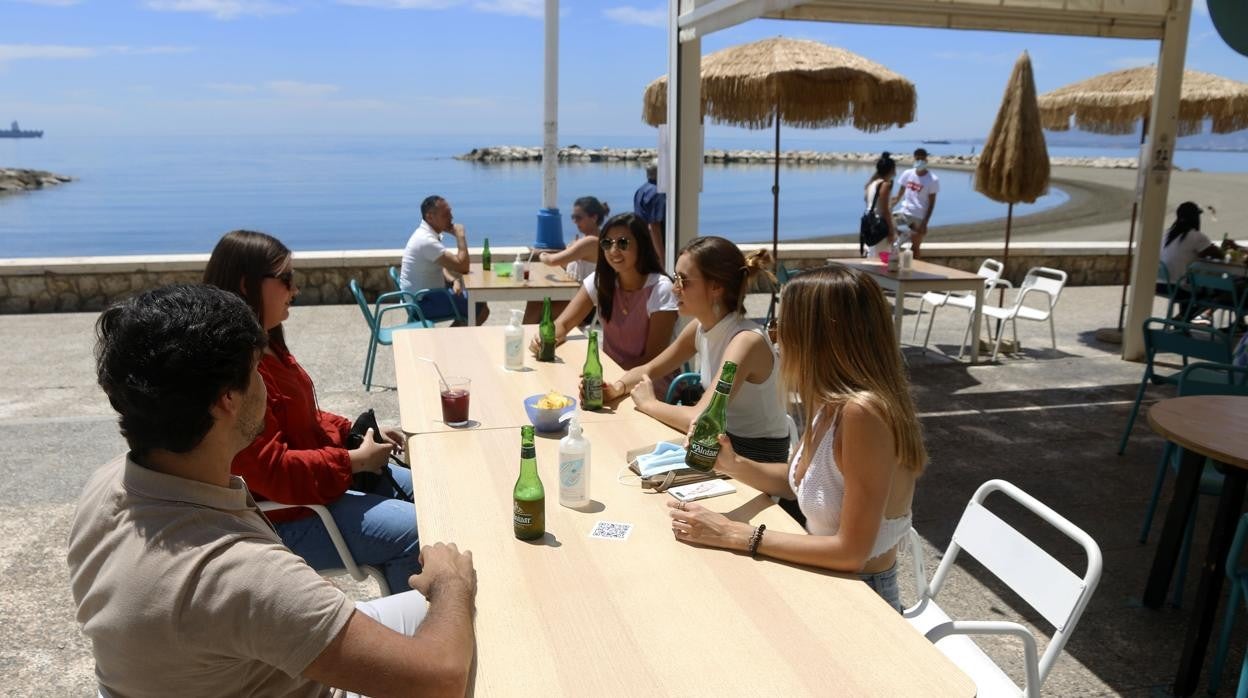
column 574, row 426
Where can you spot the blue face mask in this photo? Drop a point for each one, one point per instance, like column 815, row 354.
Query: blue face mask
column 920, row 164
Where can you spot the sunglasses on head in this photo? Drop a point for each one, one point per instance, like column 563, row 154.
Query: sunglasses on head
column 287, row 278
column 620, row 244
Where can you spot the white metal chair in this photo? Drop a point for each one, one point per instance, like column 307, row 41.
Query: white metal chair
column 358, row 572
column 1049, row 587
column 1042, row 280
column 990, row 270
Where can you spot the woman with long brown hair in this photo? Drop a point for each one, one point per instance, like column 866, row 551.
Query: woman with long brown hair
column 854, row 472
column 302, row 457
column 710, row 283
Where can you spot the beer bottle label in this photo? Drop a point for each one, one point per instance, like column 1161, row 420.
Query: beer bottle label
column 593, row 390
column 528, row 452
column 704, row 451
column 724, row 387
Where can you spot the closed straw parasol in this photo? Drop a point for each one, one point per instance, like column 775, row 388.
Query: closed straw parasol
column 1014, row 164
column 799, row 82
column 1119, row 102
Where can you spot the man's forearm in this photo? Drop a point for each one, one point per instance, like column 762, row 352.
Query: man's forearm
column 449, row 626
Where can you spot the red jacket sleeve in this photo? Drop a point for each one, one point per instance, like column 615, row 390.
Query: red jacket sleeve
column 275, row 471
column 336, row 424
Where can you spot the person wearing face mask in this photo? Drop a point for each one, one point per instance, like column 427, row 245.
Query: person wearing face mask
column 301, row 456
column 711, row 280
column 917, row 188
column 633, row 296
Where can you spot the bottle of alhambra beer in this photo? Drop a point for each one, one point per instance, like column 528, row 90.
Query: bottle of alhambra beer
column 704, row 442
column 529, row 498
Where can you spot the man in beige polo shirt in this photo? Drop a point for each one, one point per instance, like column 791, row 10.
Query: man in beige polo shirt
column 181, row 583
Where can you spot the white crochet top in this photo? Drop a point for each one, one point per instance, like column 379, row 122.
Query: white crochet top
column 822, row 491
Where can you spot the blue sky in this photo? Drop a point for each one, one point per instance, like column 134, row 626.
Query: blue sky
column 460, row 67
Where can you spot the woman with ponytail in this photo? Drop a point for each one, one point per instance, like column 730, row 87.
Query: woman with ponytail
column 711, row 280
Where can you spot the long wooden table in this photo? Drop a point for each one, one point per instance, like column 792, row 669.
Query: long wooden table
column 573, row 615
column 924, row 276
column 497, row 395
column 1204, row 427
column 544, row 280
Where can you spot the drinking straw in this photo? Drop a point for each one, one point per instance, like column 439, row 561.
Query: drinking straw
column 441, row 378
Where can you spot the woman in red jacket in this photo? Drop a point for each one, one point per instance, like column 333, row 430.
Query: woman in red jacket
column 302, row 456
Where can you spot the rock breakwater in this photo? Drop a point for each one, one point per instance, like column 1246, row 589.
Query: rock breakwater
column 576, row 153
column 12, row 179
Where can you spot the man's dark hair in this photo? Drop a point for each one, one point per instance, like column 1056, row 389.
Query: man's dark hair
column 165, row 356
column 427, row 205
column 920, row 153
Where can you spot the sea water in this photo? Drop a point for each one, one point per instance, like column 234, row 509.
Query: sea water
column 142, row 195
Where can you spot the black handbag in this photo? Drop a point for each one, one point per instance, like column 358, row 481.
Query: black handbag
column 872, row 228
column 367, row 482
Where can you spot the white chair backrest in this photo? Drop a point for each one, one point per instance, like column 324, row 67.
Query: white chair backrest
column 1044, row 280
column 991, row 269
column 1048, row 586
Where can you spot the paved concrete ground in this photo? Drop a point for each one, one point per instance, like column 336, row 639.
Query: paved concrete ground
column 1046, row 420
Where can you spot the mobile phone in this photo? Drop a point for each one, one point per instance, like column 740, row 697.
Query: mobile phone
column 702, row 490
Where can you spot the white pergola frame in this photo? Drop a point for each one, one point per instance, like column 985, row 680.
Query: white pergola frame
column 1164, row 20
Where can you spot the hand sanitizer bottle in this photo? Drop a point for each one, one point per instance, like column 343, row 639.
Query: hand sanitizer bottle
column 894, row 255
column 513, row 337
column 574, row 467
column 517, row 269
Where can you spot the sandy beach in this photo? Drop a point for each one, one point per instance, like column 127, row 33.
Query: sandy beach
column 1099, row 208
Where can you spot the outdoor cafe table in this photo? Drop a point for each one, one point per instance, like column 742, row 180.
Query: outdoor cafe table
column 648, row 615
column 544, row 280
column 1204, row 427
column 922, row 277
column 496, row 396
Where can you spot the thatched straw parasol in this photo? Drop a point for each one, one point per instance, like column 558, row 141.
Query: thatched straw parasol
column 799, row 82
column 1014, row 164
column 1121, row 101
column 1118, row 102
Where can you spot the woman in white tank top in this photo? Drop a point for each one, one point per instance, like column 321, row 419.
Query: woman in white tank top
column 854, row 472
column 879, row 193
column 711, row 279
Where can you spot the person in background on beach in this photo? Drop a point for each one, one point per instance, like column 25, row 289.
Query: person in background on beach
column 633, row 296
column 854, row 471
column 579, row 258
column 651, row 206
column 179, row 580
column 300, row 455
column 1182, row 245
column 710, row 283
column 880, row 190
column 916, row 193
column 427, row 263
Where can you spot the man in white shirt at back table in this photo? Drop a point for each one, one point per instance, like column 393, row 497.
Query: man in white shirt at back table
column 181, row 583
column 916, row 191
column 427, row 263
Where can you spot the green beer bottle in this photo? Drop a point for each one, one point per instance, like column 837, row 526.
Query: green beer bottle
column 529, row 498
column 546, row 331
column 704, row 443
column 591, row 375
column 485, row 256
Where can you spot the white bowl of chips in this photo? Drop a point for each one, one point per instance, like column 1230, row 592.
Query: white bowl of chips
column 546, row 410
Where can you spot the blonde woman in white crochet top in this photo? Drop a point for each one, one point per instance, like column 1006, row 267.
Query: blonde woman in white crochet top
column 862, row 451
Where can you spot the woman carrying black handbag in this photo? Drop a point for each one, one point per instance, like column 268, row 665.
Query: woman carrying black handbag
column 877, row 231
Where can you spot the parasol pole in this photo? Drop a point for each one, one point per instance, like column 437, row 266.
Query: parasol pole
column 775, row 208
column 1135, row 209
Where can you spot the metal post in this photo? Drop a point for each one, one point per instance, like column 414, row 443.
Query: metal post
column 684, row 116
column 1162, row 136
column 549, row 222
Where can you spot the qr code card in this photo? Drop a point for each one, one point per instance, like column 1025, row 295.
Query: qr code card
column 611, row 530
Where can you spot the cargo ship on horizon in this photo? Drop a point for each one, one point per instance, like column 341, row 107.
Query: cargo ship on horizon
column 16, row 132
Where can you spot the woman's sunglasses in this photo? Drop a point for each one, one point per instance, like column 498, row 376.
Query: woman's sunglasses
column 620, row 244
column 287, row 278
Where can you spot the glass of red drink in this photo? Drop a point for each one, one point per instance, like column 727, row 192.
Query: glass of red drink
column 455, row 393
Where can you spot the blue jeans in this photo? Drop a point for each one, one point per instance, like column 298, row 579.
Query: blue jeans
column 379, row 531
column 885, row 584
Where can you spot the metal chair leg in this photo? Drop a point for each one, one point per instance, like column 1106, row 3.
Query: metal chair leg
column 1162, row 468
column 1224, row 641
column 930, row 320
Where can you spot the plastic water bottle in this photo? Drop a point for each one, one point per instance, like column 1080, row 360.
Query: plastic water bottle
column 513, row 337
column 907, row 259
column 574, row 467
